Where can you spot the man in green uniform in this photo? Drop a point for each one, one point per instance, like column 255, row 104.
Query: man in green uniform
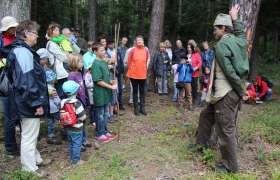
column 226, row 89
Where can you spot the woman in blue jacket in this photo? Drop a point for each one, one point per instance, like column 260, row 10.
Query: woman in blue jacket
column 185, row 70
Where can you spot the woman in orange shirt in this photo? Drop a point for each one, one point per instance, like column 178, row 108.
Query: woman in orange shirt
column 137, row 73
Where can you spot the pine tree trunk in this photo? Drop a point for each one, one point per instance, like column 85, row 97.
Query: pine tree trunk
column 92, row 20
column 275, row 44
column 17, row 9
column 249, row 15
column 155, row 37
column 140, row 19
column 253, row 63
column 75, row 12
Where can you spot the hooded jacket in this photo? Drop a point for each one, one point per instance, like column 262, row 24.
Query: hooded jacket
column 27, row 76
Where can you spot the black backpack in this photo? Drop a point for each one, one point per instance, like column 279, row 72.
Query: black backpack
column 268, row 81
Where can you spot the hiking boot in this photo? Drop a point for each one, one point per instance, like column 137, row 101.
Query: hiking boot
column 103, row 138
column 54, row 141
column 83, row 149
column 111, row 136
column 143, row 111
column 86, row 144
column 221, row 169
column 135, row 104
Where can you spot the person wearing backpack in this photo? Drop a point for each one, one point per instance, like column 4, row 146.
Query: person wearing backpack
column 73, row 116
column 263, row 91
column 7, row 36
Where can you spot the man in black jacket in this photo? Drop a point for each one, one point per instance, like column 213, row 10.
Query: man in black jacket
column 180, row 50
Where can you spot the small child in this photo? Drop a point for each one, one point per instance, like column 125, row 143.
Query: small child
column 185, row 70
column 102, row 93
column 75, row 132
column 46, row 58
column 89, row 87
column 204, row 85
column 175, row 80
column 54, row 101
column 75, row 65
column 63, row 42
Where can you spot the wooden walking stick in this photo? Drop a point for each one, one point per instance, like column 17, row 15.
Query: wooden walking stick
column 117, row 33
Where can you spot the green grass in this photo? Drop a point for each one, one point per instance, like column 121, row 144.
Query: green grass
column 265, row 124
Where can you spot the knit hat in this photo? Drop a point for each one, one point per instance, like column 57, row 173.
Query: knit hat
column 223, row 19
column 70, row 87
column 50, row 76
column 8, row 22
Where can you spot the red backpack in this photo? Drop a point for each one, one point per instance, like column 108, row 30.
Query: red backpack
column 68, row 115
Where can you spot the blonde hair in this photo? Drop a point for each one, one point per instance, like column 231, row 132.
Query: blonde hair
column 162, row 44
column 73, row 61
column 168, row 43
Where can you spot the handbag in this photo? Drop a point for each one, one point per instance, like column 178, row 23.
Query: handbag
column 180, row 85
column 4, row 81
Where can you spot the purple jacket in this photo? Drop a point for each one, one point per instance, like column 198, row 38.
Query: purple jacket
column 78, row 78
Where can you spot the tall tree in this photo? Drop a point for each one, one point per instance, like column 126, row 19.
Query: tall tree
column 155, row 36
column 75, row 12
column 249, row 15
column 92, row 21
column 17, row 9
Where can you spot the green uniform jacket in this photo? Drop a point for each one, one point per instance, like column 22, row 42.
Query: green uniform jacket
column 231, row 55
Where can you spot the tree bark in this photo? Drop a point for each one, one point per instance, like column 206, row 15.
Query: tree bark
column 275, row 44
column 34, row 10
column 17, row 9
column 92, row 21
column 142, row 4
column 248, row 14
column 253, row 63
column 75, row 12
column 155, row 37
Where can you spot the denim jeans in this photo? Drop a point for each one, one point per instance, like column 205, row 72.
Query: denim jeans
column 75, row 144
column 51, row 123
column 91, row 113
column 175, row 92
column 267, row 95
column 120, row 90
column 10, row 121
column 84, row 133
column 102, row 114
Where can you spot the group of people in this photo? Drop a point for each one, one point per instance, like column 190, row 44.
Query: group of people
column 70, row 79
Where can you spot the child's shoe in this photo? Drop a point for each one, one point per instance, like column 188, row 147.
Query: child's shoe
column 103, row 138
column 111, row 136
column 92, row 124
column 83, row 149
column 86, row 144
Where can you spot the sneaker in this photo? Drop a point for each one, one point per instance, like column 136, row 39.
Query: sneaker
column 111, row 136
column 92, row 124
column 166, row 94
column 54, row 141
column 86, row 144
column 44, row 162
column 221, row 169
column 80, row 162
column 83, row 149
column 111, row 119
column 103, row 138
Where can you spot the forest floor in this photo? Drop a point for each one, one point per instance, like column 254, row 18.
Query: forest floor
column 156, row 147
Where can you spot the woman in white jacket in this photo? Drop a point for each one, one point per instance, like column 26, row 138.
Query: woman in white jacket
column 60, row 57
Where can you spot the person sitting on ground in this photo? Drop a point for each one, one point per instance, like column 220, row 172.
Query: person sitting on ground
column 74, row 132
column 259, row 90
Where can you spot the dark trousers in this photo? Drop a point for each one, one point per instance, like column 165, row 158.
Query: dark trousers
column 11, row 119
column 194, row 88
column 222, row 114
column 120, row 90
column 138, row 83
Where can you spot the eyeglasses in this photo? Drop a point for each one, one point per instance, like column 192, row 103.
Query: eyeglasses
column 36, row 33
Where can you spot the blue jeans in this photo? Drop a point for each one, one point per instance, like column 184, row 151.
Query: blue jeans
column 51, row 123
column 11, row 119
column 267, row 95
column 75, row 144
column 102, row 114
column 120, row 89
column 175, row 93
column 91, row 114
column 84, row 134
